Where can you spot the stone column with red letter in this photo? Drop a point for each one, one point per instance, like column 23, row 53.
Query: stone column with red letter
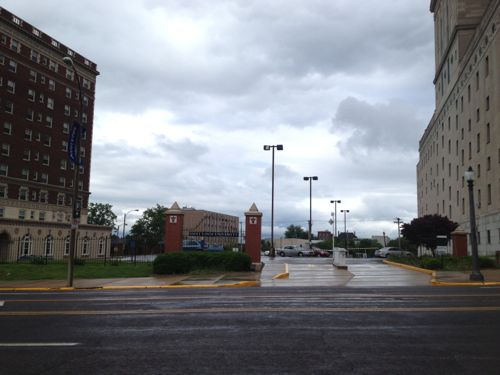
column 253, row 231
column 174, row 225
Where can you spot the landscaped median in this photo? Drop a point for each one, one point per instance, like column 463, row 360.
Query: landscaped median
column 459, row 276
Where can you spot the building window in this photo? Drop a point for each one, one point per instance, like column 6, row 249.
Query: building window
column 11, row 87
column 3, row 190
column 489, row 194
column 7, row 128
column 30, row 115
column 31, row 95
column 64, row 145
column 44, row 196
column 62, row 181
column 53, row 66
column 44, row 178
column 49, row 245
column 68, row 93
column 478, row 140
column 12, row 66
column 15, row 45
column 4, row 170
column 488, row 135
column 41, row 216
column 67, row 110
column 5, row 149
column 47, row 140
column 26, row 242
column 85, row 246
column 23, row 193
column 50, row 103
column 65, row 128
column 66, row 245
column 60, row 199
column 488, row 163
column 28, row 135
column 46, row 159
column 25, row 174
column 100, row 246
column 2, row 212
column 9, row 107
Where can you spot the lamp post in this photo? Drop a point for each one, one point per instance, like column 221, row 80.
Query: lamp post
column 272, row 252
column 310, row 179
column 345, row 227
column 124, row 225
column 476, row 273
column 335, row 221
column 74, row 156
column 398, row 222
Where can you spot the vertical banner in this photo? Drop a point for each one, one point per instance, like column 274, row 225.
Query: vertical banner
column 74, row 143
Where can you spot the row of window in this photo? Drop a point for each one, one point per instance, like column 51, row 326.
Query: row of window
column 42, row 177
column 30, row 113
column 49, row 246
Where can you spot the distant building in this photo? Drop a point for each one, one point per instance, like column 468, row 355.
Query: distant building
column 211, row 227
column 465, row 128
column 383, row 240
column 38, row 103
column 324, row 235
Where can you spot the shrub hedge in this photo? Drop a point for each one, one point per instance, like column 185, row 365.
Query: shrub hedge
column 176, row 263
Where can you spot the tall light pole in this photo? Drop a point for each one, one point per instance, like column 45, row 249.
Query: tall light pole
column 74, row 157
column 335, row 221
column 124, row 225
column 345, row 227
column 476, row 274
column 310, row 179
column 398, row 222
column 272, row 252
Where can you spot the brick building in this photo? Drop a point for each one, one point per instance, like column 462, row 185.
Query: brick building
column 39, row 101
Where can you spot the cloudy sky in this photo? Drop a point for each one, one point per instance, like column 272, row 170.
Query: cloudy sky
column 190, row 90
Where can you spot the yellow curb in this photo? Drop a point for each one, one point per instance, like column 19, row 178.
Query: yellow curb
column 284, row 275
column 465, row 283
column 123, row 287
column 408, row 267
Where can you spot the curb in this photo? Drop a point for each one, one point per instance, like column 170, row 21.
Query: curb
column 284, row 275
column 436, row 282
column 241, row 284
column 408, row 267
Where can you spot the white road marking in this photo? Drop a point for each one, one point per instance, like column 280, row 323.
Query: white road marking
column 36, row 344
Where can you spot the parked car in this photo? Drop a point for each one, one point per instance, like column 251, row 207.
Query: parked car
column 322, row 253
column 392, row 251
column 292, row 251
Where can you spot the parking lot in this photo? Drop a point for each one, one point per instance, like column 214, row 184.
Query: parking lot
column 313, row 271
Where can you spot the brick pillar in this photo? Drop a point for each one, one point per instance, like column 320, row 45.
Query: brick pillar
column 253, row 230
column 459, row 239
column 174, row 224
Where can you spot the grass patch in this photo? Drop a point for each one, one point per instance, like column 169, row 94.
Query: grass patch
column 58, row 271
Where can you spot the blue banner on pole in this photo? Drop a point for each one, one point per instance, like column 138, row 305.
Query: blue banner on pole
column 74, row 143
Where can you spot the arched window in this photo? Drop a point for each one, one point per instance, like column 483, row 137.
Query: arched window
column 85, row 246
column 27, row 245
column 67, row 243
column 49, row 245
column 100, row 245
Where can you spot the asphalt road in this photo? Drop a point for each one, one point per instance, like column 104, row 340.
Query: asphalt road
column 252, row 331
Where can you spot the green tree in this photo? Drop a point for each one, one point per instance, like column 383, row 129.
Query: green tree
column 424, row 230
column 295, row 231
column 150, row 227
column 101, row 214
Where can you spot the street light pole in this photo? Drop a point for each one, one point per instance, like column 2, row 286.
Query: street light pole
column 310, row 179
column 74, row 148
column 335, row 222
column 124, row 225
column 272, row 252
column 345, row 228
column 476, row 274
column 398, row 222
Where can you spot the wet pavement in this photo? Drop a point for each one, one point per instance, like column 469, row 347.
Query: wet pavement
column 281, row 272
column 321, row 272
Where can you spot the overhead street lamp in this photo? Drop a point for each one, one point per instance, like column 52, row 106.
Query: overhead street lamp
column 335, row 222
column 74, row 157
column 124, row 225
column 476, row 274
column 272, row 252
column 310, row 179
column 345, row 227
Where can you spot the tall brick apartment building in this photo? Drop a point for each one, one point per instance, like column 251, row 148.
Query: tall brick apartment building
column 39, row 100
column 465, row 128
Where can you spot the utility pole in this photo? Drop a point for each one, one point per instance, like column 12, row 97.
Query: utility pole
column 398, row 222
